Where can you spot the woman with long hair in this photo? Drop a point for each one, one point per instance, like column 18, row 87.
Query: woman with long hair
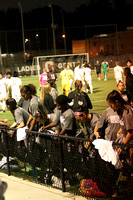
column 46, row 98
column 79, row 94
column 125, row 113
column 29, row 92
column 20, row 115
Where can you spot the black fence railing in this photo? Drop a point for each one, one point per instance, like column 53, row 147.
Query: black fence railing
column 64, row 162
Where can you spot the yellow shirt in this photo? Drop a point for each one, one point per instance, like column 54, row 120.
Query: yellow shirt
column 65, row 75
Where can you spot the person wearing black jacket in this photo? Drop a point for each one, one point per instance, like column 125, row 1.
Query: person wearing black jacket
column 129, row 81
column 78, row 98
column 46, row 98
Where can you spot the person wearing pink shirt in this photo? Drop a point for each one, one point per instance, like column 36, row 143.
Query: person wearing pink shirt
column 43, row 78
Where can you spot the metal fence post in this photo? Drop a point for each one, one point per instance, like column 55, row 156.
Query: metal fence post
column 7, row 153
column 61, row 164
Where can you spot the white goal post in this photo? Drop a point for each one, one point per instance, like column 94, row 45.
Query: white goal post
column 57, row 62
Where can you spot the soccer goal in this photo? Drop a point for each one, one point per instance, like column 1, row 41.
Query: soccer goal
column 56, row 62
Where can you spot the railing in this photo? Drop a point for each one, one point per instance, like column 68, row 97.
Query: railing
column 65, row 163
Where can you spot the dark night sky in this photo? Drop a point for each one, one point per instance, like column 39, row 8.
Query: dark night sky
column 68, row 5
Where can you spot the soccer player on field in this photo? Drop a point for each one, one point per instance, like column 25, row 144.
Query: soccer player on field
column 43, row 78
column 71, row 79
column 118, row 72
column 65, row 76
column 2, row 92
column 88, row 79
column 9, row 83
column 105, row 67
column 16, row 86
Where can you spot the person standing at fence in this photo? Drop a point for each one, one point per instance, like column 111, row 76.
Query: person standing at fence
column 46, row 98
column 16, row 86
column 53, row 91
column 67, row 119
column 65, row 77
column 129, row 81
column 98, row 69
column 123, row 93
column 20, row 115
column 109, row 123
column 3, row 92
column 129, row 64
column 43, row 77
column 87, row 122
column 118, row 71
column 105, row 68
column 29, row 92
column 125, row 112
column 88, row 79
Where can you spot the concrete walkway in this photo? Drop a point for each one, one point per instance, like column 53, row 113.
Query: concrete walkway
column 19, row 189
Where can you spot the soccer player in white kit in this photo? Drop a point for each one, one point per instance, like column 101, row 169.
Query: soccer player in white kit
column 3, row 92
column 79, row 73
column 87, row 78
column 118, row 71
column 16, row 86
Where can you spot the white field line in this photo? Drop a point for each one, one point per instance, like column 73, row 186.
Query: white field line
column 99, row 101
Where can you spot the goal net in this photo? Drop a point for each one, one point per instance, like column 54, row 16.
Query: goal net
column 56, row 62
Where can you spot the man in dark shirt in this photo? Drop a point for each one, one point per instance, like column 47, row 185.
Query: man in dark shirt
column 129, row 81
column 98, row 69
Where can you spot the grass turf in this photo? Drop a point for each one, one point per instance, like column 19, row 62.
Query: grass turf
column 100, row 91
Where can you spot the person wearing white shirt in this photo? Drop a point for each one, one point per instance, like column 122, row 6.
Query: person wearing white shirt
column 77, row 74
column 71, row 79
column 16, row 86
column 118, row 71
column 88, row 79
column 3, row 92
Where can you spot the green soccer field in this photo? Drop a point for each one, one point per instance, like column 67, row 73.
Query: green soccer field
column 100, row 91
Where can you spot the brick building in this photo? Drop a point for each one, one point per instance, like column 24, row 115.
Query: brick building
column 104, row 45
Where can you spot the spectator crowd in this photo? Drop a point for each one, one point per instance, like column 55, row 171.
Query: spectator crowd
column 69, row 113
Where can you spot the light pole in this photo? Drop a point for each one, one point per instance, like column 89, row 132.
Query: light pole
column 22, row 23
column 64, row 35
column 53, row 28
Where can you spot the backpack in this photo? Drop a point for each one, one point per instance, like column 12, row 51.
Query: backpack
column 79, row 101
column 89, row 188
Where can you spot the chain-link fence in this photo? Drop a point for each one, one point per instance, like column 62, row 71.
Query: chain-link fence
column 64, row 162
